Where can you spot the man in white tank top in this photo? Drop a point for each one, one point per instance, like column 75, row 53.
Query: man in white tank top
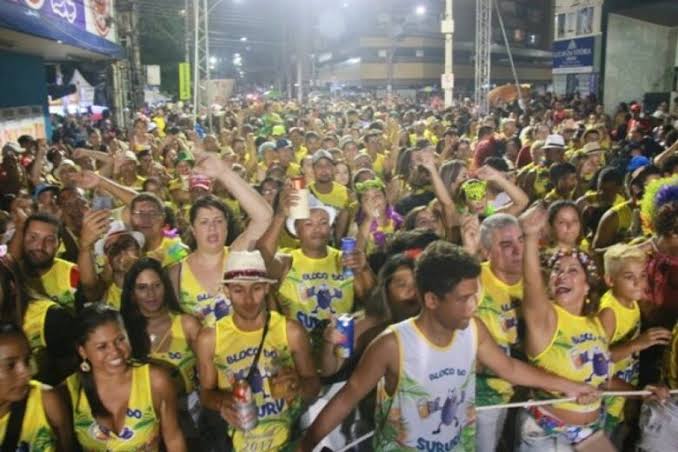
column 424, row 368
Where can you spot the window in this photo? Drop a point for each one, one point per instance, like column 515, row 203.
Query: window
column 560, row 26
column 585, row 21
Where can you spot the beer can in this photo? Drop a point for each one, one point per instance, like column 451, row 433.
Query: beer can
column 299, row 182
column 347, row 247
column 346, row 327
column 301, row 209
column 245, row 405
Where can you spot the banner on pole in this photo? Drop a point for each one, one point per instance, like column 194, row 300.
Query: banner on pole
column 184, row 81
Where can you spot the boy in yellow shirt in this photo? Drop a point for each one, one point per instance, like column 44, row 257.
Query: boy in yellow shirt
column 619, row 312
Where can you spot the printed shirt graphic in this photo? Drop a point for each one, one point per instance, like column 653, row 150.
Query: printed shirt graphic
column 198, row 302
column 60, row 282
column 316, row 289
column 170, row 251
column 233, row 355
column 627, row 328
column 432, row 407
column 499, row 310
column 578, row 351
column 180, row 357
column 36, row 433
column 141, row 431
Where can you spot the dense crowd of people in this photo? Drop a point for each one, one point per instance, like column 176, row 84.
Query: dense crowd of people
column 384, row 273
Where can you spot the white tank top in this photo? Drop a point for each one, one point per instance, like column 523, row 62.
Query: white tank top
column 432, row 407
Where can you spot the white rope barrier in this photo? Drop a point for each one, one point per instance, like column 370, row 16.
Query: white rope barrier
column 526, row 404
column 366, row 436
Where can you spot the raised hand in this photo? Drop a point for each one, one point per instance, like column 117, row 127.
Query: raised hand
column 534, row 220
column 86, row 179
column 487, row 173
column 209, row 164
column 94, row 226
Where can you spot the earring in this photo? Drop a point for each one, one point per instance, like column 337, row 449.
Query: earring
column 84, row 366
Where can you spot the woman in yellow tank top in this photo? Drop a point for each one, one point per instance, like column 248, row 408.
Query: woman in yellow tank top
column 157, row 327
column 47, row 325
column 118, row 404
column 45, row 425
column 197, row 280
column 564, row 336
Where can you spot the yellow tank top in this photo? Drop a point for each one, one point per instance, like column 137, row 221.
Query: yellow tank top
column 579, row 352
column 293, row 169
column 234, row 205
column 315, row 289
column 378, row 165
column 170, row 251
column 499, row 310
column 34, row 323
column 624, row 213
column 142, row 426
column 197, row 301
column 671, row 360
column 541, row 181
column 300, row 153
column 337, row 197
column 179, row 356
column 60, row 282
column 384, row 231
column 113, row 296
column 233, row 355
column 627, row 327
column 36, row 433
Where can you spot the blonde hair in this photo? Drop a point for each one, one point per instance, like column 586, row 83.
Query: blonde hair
column 617, row 254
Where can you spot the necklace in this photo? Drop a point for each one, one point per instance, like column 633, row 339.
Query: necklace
column 156, row 345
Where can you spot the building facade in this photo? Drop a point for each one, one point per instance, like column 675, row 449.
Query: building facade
column 401, row 42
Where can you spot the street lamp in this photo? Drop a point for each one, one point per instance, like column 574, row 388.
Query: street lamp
column 243, row 39
column 420, row 10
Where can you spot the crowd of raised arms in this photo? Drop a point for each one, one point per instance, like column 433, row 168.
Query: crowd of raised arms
column 350, row 271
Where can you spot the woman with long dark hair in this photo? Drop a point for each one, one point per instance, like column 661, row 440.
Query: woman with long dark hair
column 32, row 416
column 157, row 327
column 119, row 404
column 47, row 325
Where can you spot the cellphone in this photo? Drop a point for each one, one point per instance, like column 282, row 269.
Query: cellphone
column 102, row 203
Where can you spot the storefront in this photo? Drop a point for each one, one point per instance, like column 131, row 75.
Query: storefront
column 36, row 32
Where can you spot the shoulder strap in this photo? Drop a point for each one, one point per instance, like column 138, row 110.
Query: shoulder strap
column 16, row 420
column 250, row 373
column 175, row 278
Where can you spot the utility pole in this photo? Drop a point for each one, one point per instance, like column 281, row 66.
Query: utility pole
column 137, row 69
column 301, row 49
column 187, row 30
column 483, row 57
column 447, row 28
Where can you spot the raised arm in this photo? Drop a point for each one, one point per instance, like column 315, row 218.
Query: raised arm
column 36, row 170
column 539, row 314
column 91, row 180
column 94, row 226
column 520, row 373
column 441, row 192
column 380, row 357
column 277, row 264
column 253, row 203
column 519, row 199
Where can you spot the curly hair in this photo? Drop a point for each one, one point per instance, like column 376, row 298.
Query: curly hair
column 550, row 260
